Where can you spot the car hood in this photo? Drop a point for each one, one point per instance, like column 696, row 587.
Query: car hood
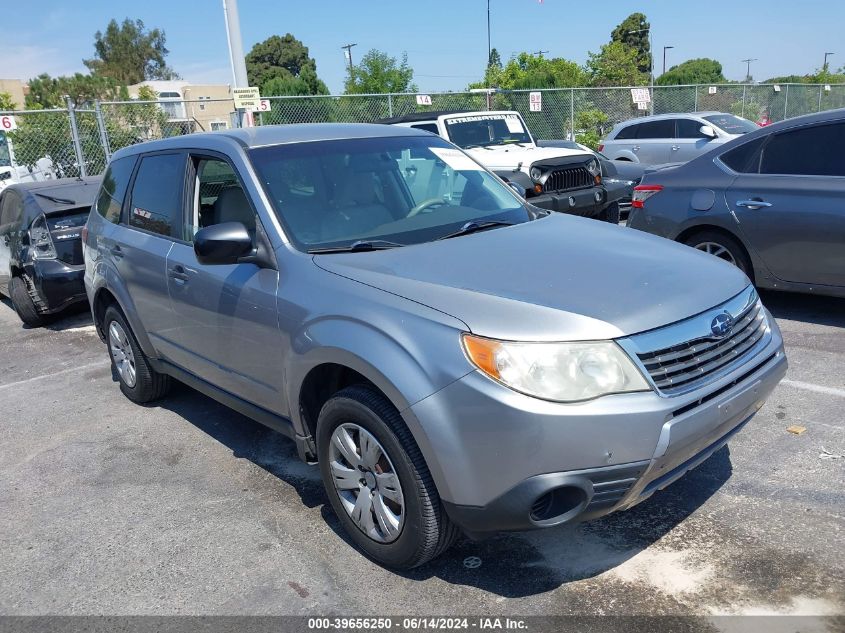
column 509, row 156
column 557, row 278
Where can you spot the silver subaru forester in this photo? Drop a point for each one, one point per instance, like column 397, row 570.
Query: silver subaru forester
column 453, row 358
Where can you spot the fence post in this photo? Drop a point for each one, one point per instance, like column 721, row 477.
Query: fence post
column 785, row 101
column 74, row 132
column 572, row 114
column 744, row 88
column 389, row 105
column 821, row 88
column 695, row 107
column 104, row 137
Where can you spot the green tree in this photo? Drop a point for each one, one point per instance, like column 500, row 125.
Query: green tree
column 495, row 60
column 378, row 73
column 526, row 71
column 615, row 65
column 6, row 102
column 285, row 60
column 48, row 92
column 591, row 127
column 633, row 32
column 693, row 71
column 130, row 54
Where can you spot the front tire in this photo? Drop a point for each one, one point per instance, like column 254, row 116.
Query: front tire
column 23, row 302
column 377, row 481
column 138, row 380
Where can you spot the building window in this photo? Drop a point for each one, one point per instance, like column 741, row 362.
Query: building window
column 219, row 125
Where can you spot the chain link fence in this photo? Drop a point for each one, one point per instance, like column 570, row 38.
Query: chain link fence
column 71, row 142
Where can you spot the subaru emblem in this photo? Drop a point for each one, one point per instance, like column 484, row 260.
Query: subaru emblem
column 721, row 325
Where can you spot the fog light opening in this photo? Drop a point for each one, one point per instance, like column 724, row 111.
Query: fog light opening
column 557, row 503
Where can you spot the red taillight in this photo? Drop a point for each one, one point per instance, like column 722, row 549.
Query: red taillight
column 643, row 193
column 601, row 147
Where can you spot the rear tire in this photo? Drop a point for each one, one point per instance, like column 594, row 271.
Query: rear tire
column 612, row 214
column 724, row 247
column 21, row 295
column 422, row 530
column 138, row 380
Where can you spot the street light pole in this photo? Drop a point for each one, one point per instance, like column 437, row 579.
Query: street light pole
column 824, row 66
column 489, row 49
column 236, row 50
column 665, row 48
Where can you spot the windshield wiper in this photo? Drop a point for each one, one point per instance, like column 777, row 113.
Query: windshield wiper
column 55, row 199
column 356, row 247
column 474, row 227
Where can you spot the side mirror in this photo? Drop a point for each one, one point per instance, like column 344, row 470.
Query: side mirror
column 708, row 131
column 519, row 189
column 224, row 243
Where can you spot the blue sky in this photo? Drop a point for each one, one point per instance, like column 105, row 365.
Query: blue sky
column 446, row 40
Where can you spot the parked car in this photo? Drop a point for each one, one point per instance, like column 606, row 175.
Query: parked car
column 771, row 202
column 41, row 265
column 672, row 138
column 454, row 359
column 557, row 179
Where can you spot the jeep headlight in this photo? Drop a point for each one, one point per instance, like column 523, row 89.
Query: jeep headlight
column 562, row 372
column 594, row 168
column 536, row 174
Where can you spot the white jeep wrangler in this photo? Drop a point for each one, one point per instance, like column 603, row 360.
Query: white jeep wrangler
column 558, row 179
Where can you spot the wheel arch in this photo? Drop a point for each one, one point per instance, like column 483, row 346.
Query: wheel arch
column 104, row 296
column 694, row 229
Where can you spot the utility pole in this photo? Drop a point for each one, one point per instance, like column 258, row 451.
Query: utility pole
column 348, row 49
column 748, row 68
column 489, row 48
column 824, row 66
column 665, row 48
column 539, row 53
column 236, row 51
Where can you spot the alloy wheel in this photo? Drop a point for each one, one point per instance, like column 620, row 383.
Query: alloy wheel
column 121, row 351
column 366, row 483
column 716, row 249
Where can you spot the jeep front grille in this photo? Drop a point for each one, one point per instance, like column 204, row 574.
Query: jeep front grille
column 568, row 178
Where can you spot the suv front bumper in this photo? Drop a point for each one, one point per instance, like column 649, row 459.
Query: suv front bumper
column 501, row 456
column 584, row 202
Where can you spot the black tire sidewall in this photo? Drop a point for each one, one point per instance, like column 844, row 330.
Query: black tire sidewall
column 133, row 393
column 23, row 303
column 402, row 551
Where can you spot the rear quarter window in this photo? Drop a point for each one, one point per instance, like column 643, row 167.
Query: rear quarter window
column 744, row 159
column 113, row 190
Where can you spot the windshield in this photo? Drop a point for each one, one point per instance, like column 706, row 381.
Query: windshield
column 404, row 190
column 731, row 124
column 482, row 130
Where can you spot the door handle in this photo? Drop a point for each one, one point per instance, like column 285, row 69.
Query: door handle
column 178, row 273
column 635, row 148
column 116, row 251
column 675, row 148
column 753, row 204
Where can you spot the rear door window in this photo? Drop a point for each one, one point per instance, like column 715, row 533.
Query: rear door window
column 809, row 151
column 115, row 181
column 745, row 159
column 11, row 210
column 156, row 203
column 657, row 129
column 627, row 132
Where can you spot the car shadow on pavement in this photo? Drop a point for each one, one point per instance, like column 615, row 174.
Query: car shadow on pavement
column 805, row 307
column 508, row 565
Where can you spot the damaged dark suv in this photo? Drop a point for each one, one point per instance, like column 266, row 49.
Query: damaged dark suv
column 41, row 265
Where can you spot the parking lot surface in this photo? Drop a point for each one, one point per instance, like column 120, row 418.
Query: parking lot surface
column 185, row 507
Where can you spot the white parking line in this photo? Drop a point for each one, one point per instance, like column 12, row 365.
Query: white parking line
column 808, row 386
column 55, row 373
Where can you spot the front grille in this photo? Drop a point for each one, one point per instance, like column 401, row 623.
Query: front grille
column 567, row 179
column 680, row 366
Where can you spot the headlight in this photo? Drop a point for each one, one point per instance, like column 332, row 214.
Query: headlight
column 536, row 173
column 593, row 167
column 563, row 372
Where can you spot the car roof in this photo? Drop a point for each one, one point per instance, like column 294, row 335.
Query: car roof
column 416, row 117
column 670, row 115
column 81, row 191
column 276, row 135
